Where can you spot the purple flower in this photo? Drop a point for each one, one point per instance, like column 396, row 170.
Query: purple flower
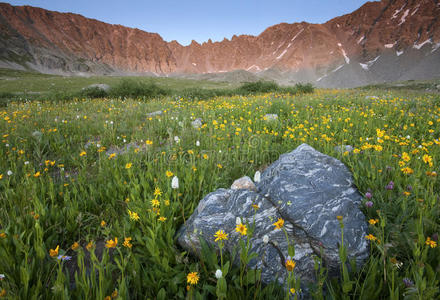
column 64, row 257
column 390, row 186
column 369, row 204
column 368, row 195
column 435, row 237
column 408, row 282
column 409, row 187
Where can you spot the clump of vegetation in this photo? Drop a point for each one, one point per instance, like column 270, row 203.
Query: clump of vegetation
column 129, row 88
column 93, row 92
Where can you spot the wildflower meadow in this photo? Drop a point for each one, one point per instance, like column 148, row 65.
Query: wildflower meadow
column 93, row 191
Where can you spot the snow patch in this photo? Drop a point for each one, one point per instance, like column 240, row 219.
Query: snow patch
column 398, row 53
column 278, row 48
column 194, row 64
column 254, row 67
column 361, row 39
column 338, row 68
column 368, row 64
column 282, row 54
column 435, row 47
column 397, row 11
column 403, row 18
column 338, row 25
column 389, row 45
column 419, row 46
column 415, row 10
column 347, row 60
column 319, row 79
column 364, row 66
column 297, row 35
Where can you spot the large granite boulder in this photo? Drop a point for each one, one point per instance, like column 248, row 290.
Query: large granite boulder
column 308, row 190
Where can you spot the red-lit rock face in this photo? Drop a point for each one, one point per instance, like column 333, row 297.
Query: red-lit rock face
column 373, row 29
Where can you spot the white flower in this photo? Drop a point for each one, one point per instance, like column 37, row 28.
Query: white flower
column 176, row 139
column 124, row 140
column 7, row 145
column 175, row 182
column 2, row 276
column 218, row 274
column 9, row 173
column 26, row 162
column 198, row 144
column 181, row 124
column 111, row 122
column 265, row 239
column 408, row 137
column 257, row 176
column 237, row 221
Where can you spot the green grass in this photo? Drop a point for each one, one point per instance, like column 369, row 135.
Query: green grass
column 26, row 83
column 413, row 85
column 56, row 191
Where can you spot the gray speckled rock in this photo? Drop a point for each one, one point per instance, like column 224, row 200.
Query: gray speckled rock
column 154, row 113
column 243, row 183
column 271, row 117
column 308, row 190
column 344, row 148
column 101, row 86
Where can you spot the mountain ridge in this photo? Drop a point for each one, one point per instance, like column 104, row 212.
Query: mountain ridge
column 354, row 49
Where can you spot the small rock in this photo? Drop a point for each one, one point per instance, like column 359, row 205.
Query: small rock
column 101, row 86
column 438, row 86
column 155, row 113
column 197, row 123
column 271, row 117
column 243, row 183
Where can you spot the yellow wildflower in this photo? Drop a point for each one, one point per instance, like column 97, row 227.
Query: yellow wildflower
column 220, row 235
column 241, row 228
column 133, row 215
column 90, row 245
column 169, row 174
column 430, row 242
column 82, row 153
column 112, row 243
column 75, row 246
column 279, row 224
column 406, row 157
column 157, row 192
column 373, row 221
column 128, row 165
column 370, row 237
column 290, row 264
column 427, row 159
column 162, row 219
column 155, row 203
column 192, row 278
column 127, row 242
column 407, row 170
column 54, row 252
